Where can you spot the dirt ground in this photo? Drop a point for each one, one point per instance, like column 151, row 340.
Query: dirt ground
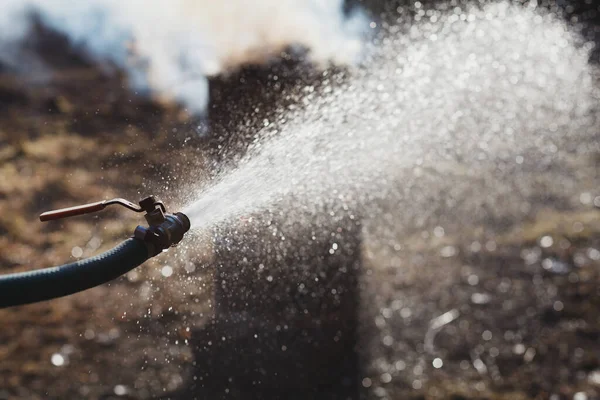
column 533, row 333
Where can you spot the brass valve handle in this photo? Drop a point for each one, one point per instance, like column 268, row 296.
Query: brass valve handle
column 87, row 209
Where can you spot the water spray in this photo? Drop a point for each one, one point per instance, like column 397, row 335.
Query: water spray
column 164, row 230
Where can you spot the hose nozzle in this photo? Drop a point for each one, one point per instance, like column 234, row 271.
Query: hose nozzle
column 165, row 234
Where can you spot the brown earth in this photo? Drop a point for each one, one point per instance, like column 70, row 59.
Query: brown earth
column 81, row 137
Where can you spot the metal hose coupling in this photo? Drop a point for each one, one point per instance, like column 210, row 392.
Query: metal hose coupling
column 164, row 230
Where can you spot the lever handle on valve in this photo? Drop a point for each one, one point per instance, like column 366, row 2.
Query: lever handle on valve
column 72, row 211
column 149, row 205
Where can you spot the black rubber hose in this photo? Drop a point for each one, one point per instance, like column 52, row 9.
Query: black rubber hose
column 49, row 283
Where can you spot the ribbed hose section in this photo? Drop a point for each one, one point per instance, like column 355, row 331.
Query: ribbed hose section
column 48, row 283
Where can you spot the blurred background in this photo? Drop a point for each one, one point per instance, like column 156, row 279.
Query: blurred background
column 465, row 267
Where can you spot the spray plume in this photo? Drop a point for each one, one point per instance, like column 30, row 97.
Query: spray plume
column 464, row 103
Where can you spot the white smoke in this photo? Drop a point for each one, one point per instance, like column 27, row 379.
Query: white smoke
column 170, row 47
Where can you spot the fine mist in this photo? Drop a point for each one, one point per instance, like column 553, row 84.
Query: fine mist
column 462, row 96
column 411, row 183
column 169, row 48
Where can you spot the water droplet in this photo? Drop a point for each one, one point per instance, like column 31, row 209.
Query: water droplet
column 57, row 359
column 586, row 198
column 580, row 396
column 519, row 348
column 405, row 312
column 529, row 355
column 89, row 334
column 388, row 340
column 593, row 254
column 400, row 365
column 120, row 390
column 77, row 252
column 480, row 298
column 473, row 280
column 555, row 266
column 546, row 241
column 448, row 251
column 594, row 377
